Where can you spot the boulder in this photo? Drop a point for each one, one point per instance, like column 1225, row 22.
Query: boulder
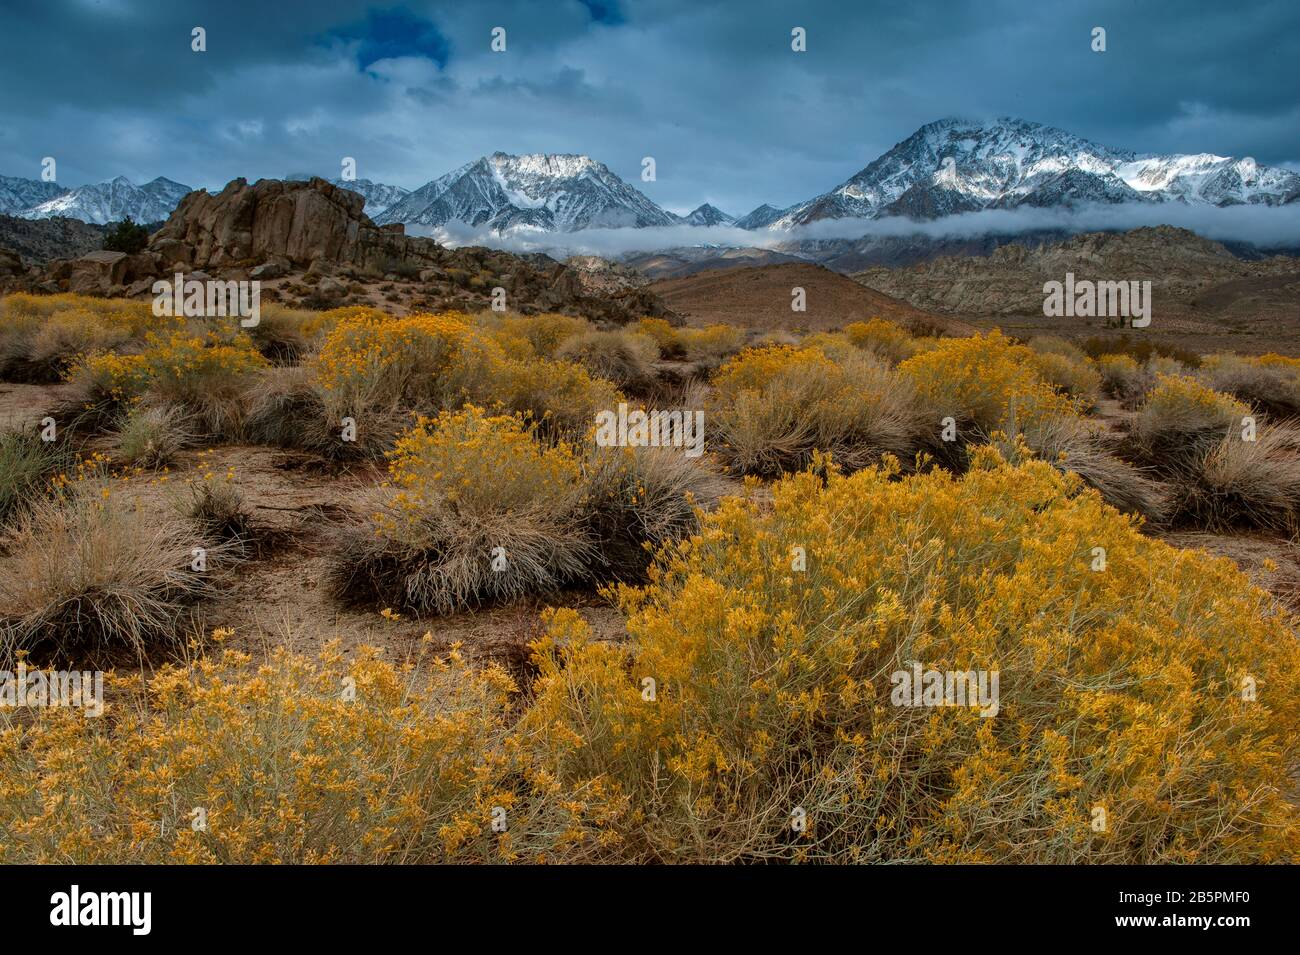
column 307, row 224
column 95, row 273
column 11, row 263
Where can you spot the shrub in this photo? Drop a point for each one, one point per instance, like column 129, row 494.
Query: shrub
column 1268, row 385
column 1123, row 379
column 1073, row 377
column 40, row 336
column 288, row 770
column 126, row 236
column 27, row 464
column 87, row 573
column 981, row 382
column 623, row 357
column 374, row 362
column 665, row 336
column 288, row 409
column 1120, row 690
column 638, row 499
column 466, row 491
column 532, row 336
column 710, row 346
column 775, row 408
column 151, row 435
column 1073, row 444
column 1181, row 418
column 885, row 340
column 561, row 398
column 207, row 378
column 285, row 336
column 1241, row 484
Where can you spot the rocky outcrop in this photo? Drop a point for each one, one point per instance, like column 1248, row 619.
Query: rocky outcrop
column 297, row 222
column 311, row 245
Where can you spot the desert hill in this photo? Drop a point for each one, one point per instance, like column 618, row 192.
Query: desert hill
column 761, row 298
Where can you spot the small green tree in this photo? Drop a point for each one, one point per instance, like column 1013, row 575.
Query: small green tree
column 126, row 236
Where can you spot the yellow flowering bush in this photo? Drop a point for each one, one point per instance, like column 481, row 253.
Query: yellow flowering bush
column 1160, row 695
column 532, row 336
column 207, row 377
column 294, row 760
column 983, row 381
column 883, row 339
column 41, row 335
column 665, row 336
column 561, row 397
column 1181, row 417
column 709, row 346
column 1073, row 377
column 476, row 510
column 370, row 360
column 1270, row 383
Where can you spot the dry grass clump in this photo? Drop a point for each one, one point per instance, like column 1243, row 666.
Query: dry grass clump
column 42, row 335
column 476, row 511
column 639, row 499
column 151, row 435
column 774, row 408
column 887, row 341
column 1181, row 418
column 624, row 357
column 774, row 695
column 217, row 506
column 1241, row 484
column 1266, row 384
column 27, row 465
column 86, row 573
column 1123, row 379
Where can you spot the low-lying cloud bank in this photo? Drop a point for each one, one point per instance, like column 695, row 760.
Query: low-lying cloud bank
column 1265, row 226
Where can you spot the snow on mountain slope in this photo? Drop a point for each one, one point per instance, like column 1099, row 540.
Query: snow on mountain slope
column 379, row 196
column 757, row 218
column 707, row 215
column 957, row 165
column 553, row 193
column 112, row 201
column 17, row 193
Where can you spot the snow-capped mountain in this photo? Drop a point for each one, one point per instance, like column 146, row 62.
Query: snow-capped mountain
column 707, row 215
column 957, row 165
column 17, row 193
column 379, row 196
column 550, row 193
column 112, row 201
column 756, row 219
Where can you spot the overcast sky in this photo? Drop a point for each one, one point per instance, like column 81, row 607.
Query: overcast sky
column 713, row 91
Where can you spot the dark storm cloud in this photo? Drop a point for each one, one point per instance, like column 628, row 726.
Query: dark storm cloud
column 711, row 90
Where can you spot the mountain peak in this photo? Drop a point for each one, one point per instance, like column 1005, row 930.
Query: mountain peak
column 708, row 215
column 955, row 165
column 548, row 192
